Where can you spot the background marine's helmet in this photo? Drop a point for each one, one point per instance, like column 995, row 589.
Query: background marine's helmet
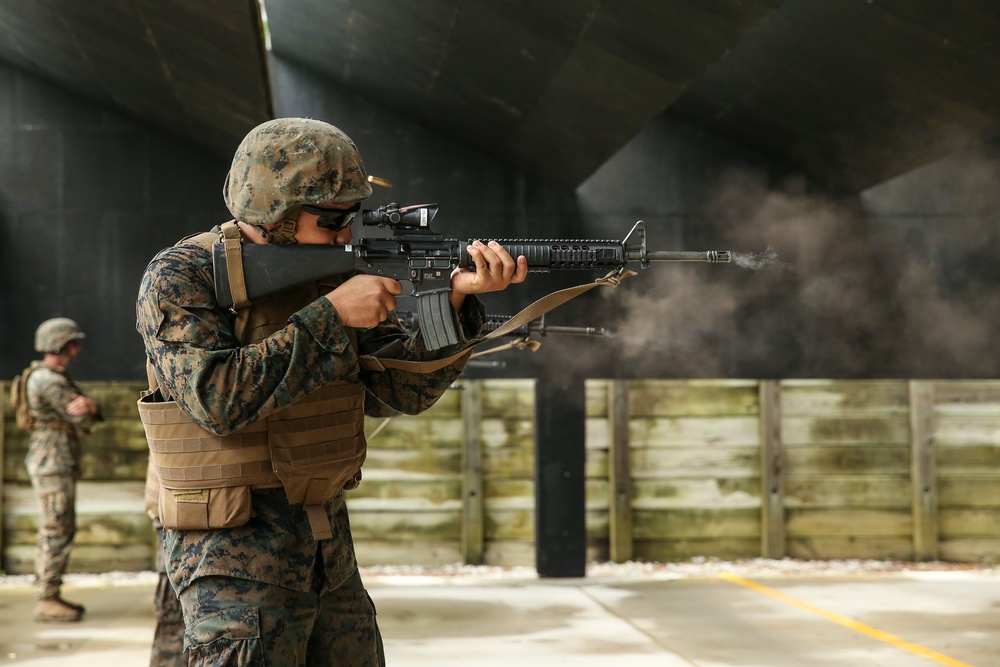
column 52, row 335
column 288, row 162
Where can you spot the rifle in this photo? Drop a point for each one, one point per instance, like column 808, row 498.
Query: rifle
column 417, row 255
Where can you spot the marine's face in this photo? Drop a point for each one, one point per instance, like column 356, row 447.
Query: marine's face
column 308, row 231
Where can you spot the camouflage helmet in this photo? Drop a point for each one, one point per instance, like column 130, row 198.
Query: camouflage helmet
column 288, row 162
column 52, row 335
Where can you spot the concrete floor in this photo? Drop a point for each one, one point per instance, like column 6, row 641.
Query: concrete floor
column 914, row 619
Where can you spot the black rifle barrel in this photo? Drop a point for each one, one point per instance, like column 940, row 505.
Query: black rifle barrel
column 710, row 256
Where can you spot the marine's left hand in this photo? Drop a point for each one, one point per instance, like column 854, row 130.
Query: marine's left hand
column 495, row 271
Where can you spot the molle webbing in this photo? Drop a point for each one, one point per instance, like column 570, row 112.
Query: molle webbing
column 317, row 448
column 187, row 456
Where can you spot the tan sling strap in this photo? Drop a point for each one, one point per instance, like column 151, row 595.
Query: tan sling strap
column 234, row 264
column 528, row 314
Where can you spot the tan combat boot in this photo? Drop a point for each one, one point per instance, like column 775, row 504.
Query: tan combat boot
column 79, row 607
column 54, row 610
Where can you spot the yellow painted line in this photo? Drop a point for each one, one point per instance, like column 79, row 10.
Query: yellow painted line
column 847, row 622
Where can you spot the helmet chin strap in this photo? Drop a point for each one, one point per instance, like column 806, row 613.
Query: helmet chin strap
column 284, row 232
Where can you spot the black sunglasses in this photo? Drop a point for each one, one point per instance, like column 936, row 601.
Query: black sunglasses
column 333, row 219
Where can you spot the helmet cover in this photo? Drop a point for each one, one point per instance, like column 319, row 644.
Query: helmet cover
column 288, row 162
column 52, row 335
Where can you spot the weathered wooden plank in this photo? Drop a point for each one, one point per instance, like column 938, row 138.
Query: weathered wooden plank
column 473, row 532
column 704, row 398
column 87, row 558
column 842, row 429
column 4, row 392
column 91, row 529
column 509, row 399
column 517, row 462
column 854, row 522
column 597, row 550
column 687, row 431
column 424, row 525
column 968, row 459
column 619, row 474
column 884, row 491
column 117, row 399
column 433, row 492
column 680, row 550
column 698, row 524
column 91, row 498
column 961, row 429
column 595, row 464
column 597, row 433
column 970, row 549
column 707, row 493
column 922, row 474
column 772, row 471
column 833, row 548
column 509, row 524
column 432, row 553
column 596, row 399
column 887, row 459
column 510, row 433
column 844, row 397
column 510, row 553
column 513, row 492
column 979, row 490
column 967, row 396
column 968, row 522
column 597, row 494
column 707, row 461
column 420, row 432
column 598, row 524
column 412, row 464
column 404, row 505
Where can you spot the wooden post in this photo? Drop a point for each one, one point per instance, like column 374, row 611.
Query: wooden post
column 620, row 474
column 922, row 471
column 4, row 390
column 473, row 538
column 772, row 494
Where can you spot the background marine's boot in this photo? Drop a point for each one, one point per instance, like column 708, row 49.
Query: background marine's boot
column 55, row 610
column 79, row 607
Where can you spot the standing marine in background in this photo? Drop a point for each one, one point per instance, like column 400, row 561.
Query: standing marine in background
column 52, row 406
column 255, row 416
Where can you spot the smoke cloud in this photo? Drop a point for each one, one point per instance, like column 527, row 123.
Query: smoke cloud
column 887, row 285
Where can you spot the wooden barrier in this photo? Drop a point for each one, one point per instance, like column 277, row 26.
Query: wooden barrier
column 823, row 469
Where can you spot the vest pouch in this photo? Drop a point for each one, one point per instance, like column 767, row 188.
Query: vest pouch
column 318, row 447
column 204, row 509
column 205, row 480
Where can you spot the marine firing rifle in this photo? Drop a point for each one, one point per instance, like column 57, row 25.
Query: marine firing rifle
column 417, row 255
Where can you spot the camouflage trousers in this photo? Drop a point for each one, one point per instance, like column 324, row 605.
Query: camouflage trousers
column 168, row 636
column 239, row 622
column 56, row 530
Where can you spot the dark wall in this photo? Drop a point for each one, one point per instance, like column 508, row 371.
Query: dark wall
column 87, row 197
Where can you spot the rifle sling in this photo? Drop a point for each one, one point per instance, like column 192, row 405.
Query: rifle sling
column 529, row 314
column 234, row 264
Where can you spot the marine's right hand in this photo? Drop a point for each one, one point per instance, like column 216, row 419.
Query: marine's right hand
column 364, row 301
column 81, row 405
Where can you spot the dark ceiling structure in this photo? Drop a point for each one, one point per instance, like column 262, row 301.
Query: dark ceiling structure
column 850, row 92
